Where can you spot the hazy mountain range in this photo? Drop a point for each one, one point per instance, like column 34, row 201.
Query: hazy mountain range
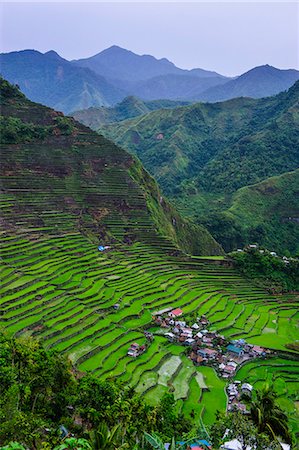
column 115, row 73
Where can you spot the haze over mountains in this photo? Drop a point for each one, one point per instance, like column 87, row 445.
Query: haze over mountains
column 115, row 73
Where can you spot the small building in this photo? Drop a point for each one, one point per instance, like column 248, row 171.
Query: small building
column 199, row 335
column 257, row 350
column 246, row 388
column 170, row 336
column 207, row 353
column 235, row 350
column 175, row 313
column 229, row 370
column 189, row 341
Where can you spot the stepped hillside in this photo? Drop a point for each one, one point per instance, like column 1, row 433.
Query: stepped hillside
column 65, row 190
column 201, row 154
column 92, row 185
column 262, row 81
column 128, row 108
column 51, row 80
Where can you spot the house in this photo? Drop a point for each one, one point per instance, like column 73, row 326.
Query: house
column 102, row 248
column 199, row 335
column 160, row 136
column 246, row 388
column 116, row 306
column 207, row 353
column 133, row 350
column 229, row 370
column 253, row 246
column 234, row 444
column 189, row 341
column 232, row 363
column 258, row 351
column 170, row 336
column 238, row 351
column 195, row 326
column 175, row 313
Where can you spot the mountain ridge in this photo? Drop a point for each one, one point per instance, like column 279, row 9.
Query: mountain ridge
column 104, row 191
column 201, row 154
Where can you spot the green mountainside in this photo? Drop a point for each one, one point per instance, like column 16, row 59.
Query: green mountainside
column 65, row 192
column 201, row 154
column 99, row 187
column 128, row 108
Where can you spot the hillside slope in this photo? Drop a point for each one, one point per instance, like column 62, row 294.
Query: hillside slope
column 58, row 175
column 201, row 154
column 266, row 212
column 128, row 108
column 53, row 81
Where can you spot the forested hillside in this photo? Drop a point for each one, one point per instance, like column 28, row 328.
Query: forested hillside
column 203, row 153
column 128, row 108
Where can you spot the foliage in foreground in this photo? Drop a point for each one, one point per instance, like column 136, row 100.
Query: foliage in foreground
column 39, row 391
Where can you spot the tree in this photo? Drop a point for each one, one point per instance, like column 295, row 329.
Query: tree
column 105, row 439
column 74, row 444
column 13, row 446
column 237, row 426
column 157, row 443
column 268, row 416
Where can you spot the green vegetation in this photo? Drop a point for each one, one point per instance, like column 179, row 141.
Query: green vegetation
column 101, row 183
column 206, row 154
column 63, row 197
column 275, row 273
column 129, row 107
column 39, row 391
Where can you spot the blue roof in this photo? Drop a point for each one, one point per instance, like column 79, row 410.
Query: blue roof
column 204, row 442
column 101, row 248
column 232, row 348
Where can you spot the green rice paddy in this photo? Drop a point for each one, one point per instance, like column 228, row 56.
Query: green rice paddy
column 62, row 290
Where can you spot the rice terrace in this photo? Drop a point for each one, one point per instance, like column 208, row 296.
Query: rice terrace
column 61, row 289
column 149, row 226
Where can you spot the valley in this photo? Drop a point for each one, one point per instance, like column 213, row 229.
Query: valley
column 66, row 194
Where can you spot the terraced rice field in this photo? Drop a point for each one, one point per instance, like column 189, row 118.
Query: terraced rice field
column 283, row 374
column 62, row 289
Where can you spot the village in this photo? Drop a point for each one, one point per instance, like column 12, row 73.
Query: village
column 207, row 347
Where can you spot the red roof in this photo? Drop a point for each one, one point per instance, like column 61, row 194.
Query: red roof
column 177, row 312
column 258, row 349
column 229, row 368
column 210, row 351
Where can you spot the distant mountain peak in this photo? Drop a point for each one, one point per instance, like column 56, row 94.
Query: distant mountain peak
column 53, row 54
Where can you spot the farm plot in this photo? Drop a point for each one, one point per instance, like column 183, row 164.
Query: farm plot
column 62, row 290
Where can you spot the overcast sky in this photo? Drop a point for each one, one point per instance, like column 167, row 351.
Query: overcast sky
column 227, row 37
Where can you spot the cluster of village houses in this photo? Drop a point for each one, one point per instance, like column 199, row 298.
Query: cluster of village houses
column 207, row 347
column 136, row 349
column 235, row 391
column 255, row 247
